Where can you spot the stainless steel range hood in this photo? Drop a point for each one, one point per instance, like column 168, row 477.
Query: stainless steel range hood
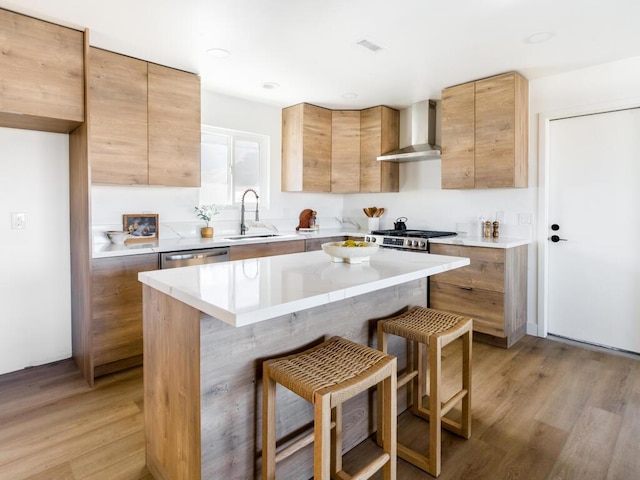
column 421, row 120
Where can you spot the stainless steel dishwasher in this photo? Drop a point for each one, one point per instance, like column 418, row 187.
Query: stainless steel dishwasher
column 186, row 258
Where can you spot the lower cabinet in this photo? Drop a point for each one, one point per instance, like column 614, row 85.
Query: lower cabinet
column 116, row 333
column 255, row 250
column 492, row 290
column 313, row 244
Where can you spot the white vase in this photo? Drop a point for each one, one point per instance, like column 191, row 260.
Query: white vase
column 373, row 223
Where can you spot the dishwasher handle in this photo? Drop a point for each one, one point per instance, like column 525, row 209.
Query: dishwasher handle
column 194, row 256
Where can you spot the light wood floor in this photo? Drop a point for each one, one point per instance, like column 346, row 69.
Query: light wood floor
column 541, row 410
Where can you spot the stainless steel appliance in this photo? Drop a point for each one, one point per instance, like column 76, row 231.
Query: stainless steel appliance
column 186, row 258
column 403, row 239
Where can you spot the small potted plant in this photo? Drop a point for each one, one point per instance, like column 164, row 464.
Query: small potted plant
column 206, row 212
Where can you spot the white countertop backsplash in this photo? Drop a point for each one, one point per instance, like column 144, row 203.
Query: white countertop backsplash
column 186, row 236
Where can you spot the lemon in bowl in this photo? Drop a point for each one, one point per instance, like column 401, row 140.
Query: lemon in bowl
column 350, row 251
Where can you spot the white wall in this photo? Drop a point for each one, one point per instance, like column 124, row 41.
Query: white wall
column 35, row 324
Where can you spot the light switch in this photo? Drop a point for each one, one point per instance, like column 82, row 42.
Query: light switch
column 18, row 220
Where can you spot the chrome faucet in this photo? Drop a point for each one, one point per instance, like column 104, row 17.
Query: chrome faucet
column 243, row 227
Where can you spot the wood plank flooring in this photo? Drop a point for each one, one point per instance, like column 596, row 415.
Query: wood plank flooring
column 541, row 410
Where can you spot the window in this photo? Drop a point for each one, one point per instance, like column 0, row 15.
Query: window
column 233, row 161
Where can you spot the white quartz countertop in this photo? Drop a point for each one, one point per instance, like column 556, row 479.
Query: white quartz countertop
column 103, row 250
column 478, row 241
column 244, row 292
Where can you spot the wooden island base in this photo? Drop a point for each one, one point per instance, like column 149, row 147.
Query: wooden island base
column 202, row 382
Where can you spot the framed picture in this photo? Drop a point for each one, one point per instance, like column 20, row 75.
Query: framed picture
column 143, row 227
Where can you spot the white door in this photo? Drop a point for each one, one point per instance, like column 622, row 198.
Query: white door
column 594, row 199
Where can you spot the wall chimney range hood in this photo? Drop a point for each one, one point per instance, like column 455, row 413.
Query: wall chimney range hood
column 422, row 119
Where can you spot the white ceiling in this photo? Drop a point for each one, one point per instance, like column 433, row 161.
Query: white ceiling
column 309, row 47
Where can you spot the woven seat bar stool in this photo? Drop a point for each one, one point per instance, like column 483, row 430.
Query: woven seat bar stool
column 434, row 329
column 326, row 376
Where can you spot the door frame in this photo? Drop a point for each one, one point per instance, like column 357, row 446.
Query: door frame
column 544, row 121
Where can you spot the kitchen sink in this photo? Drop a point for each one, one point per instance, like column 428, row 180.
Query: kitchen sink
column 249, row 237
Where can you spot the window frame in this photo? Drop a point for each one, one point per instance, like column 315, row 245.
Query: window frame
column 263, row 142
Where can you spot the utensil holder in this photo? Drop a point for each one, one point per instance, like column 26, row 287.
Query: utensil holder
column 373, row 223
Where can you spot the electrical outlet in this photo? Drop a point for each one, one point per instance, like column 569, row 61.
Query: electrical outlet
column 525, row 218
column 18, row 220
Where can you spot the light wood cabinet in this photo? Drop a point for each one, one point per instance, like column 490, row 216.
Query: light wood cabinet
column 174, row 127
column 256, row 250
column 144, row 122
column 306, row 149
column 42, row 74
column 498, row 109
column 336, row 151
column 379, row 133
column 313, row 244
column 116, row 297
column 492, row 290
column 118, row 118
column 345, row 151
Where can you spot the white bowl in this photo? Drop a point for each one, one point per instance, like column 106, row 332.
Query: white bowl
column 117, row 236
column 339, row 253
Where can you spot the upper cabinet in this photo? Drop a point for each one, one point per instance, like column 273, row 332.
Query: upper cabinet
column 379, row 133
column 174, row 127
column 336, row 151
column 144, row 122
column 42, row 74
column 306, row 149
column 118, row 118
column 345, row 151
column 485, row 133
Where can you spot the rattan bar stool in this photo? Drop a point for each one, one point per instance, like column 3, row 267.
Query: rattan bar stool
column 326, row 376
column 434, row 329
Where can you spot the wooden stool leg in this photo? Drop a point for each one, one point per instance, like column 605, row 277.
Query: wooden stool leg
column 389, row 442
column 336, row 439
column 435, row 406
column 268, row 426
column 419, row 383
column 322, row 437
column 382, row 346
column 466, row 384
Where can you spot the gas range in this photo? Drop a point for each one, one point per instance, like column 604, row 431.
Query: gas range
column 414, row 240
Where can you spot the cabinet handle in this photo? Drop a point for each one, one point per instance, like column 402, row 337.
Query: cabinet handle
column 466, row 288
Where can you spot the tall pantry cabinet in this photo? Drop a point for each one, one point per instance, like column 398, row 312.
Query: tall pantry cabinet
column 143, row 128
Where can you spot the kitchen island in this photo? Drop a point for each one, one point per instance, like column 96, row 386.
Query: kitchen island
column 207, row 330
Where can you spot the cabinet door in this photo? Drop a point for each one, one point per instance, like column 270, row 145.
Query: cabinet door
column 379, row 133
column 458, row 136
column 306, row 149
column 256, row 250
column 117, row 311
column 345, row 151
column 174, row 127
column 42, row 74
column 313, row 244
column 501, row 136
column 118, row 118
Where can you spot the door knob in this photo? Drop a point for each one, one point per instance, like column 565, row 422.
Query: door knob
column 556, row 239
column 555, row 227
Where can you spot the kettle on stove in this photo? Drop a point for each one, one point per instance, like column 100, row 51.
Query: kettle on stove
column 399, row 223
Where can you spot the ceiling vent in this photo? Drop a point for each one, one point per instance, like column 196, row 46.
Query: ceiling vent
column 370, row 45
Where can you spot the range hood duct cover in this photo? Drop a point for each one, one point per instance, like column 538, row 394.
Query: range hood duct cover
column 423, row 146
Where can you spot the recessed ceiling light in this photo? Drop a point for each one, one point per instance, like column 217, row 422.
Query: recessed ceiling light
column 539, row 37
column 349, row 95
column 270, row 85
column 218, row 52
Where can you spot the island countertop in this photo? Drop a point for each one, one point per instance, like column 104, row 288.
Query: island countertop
column 249, row 291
